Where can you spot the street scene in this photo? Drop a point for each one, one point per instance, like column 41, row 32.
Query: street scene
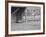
column 25, row 18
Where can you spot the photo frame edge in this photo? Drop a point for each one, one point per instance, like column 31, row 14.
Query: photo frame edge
column 6, row 19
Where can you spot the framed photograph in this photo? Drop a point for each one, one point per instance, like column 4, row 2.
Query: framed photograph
column 25, row 18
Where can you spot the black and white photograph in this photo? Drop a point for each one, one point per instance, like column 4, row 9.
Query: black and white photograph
column 25, row 18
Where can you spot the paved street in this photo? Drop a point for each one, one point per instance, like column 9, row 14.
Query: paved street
column 33, row 25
